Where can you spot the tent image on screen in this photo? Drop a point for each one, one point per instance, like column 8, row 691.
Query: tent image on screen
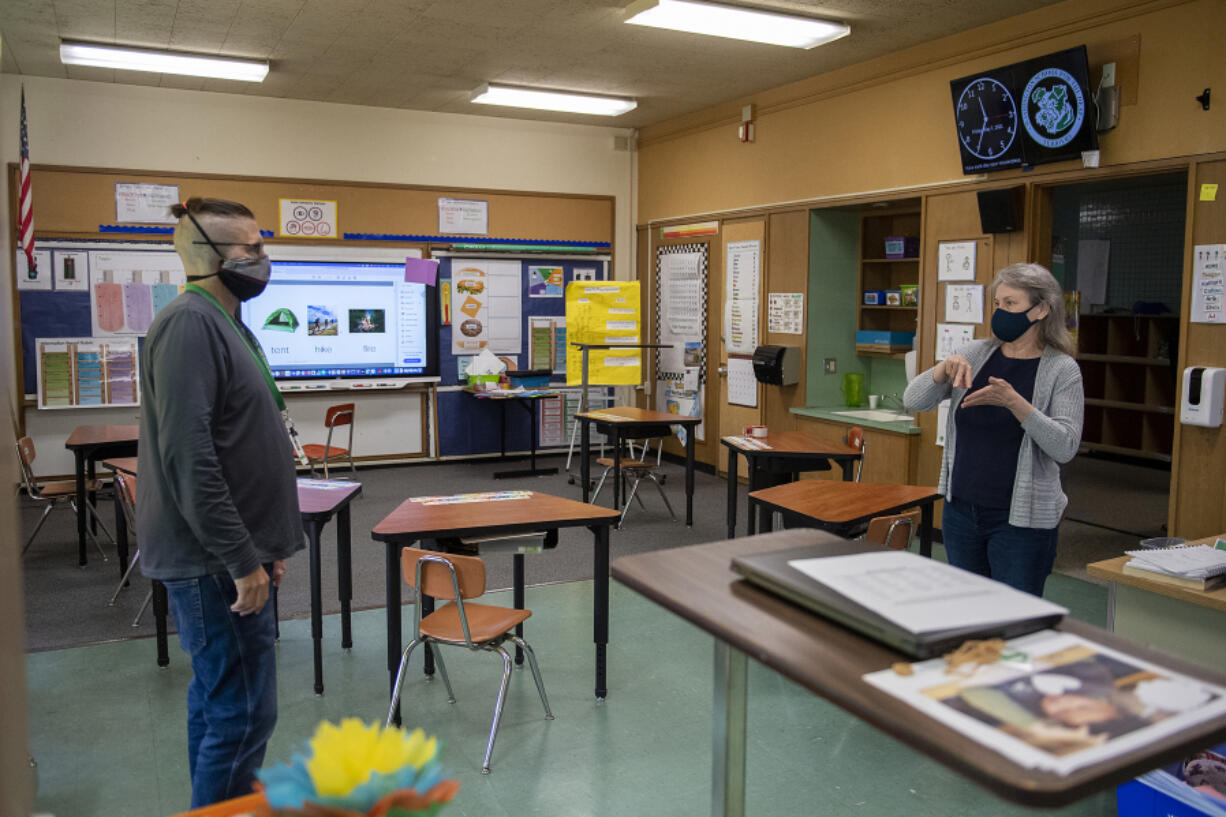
column 281, row 320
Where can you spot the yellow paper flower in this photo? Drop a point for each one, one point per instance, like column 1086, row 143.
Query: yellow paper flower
column 344, row 757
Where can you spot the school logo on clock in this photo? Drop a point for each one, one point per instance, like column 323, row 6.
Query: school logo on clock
column 1053, row 108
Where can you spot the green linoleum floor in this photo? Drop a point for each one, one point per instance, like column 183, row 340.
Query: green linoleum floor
column 108, row 727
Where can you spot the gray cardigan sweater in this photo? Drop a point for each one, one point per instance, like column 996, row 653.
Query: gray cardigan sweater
column 1052, row 431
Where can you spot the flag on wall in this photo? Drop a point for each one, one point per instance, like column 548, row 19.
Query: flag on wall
column 25, row 205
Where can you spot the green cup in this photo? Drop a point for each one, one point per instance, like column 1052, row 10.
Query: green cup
column 853, row 390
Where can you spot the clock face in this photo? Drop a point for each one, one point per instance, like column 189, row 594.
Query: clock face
column 987, row 118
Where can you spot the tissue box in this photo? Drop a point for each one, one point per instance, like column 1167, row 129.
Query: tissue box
column 910, row 294
column 874, row 297
column 901, row 246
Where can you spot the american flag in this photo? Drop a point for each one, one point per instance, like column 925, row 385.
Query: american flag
column 25, row 204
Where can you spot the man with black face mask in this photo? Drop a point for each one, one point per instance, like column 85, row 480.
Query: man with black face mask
column 217, row 502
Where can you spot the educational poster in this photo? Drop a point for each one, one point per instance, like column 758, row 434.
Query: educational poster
column 71, row 269
column 603, row 312
column 964, row 303
column 547, row 343
column 463, row 217
column 37, row 278
column 87, row 373
column 127, row 289
column 1208, row 268
column 742, row 265
column 307, row 218
column 681, row 308
column 952, row 338
column 956, row 260
column 544, row 282
column 786, row 313
column 486, row 298
column 684, row 403
column 145, row 203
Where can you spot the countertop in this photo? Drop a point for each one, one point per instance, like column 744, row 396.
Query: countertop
column 862, row 417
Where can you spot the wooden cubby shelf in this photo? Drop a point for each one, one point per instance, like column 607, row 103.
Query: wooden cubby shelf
column 877, row 272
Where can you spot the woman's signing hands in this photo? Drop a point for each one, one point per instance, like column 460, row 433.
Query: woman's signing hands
column 998, row 392
column 957, row 372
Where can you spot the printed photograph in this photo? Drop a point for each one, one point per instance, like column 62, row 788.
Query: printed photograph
column 367, row 321
column 321, row 321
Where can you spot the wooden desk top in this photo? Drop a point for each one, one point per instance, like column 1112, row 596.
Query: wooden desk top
column 844, row 502
column 794, row 443
column 125, row 464
column 1113, row 570
column 631, row 414
column 414, row 520
column 698, row 585
column 83, row 436
column 324, row 497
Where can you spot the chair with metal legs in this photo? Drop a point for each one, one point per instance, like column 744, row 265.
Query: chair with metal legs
column 56, row 493
column 335, row 416
column 462, row 624
column 125, row 489
column 635, row 470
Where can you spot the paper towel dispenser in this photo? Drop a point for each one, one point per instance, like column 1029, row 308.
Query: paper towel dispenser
column 777, row 365
column 1204, row 389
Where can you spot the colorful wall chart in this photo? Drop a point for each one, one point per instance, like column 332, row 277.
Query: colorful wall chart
column 127, row 289
column 87, row 373
column 604, row 312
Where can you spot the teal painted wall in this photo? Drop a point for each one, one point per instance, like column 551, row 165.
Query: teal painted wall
column 834, row 254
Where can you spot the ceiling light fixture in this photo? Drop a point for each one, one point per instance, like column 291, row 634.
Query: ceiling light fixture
column 125, row 58
column 736, row 22
column 543, row 100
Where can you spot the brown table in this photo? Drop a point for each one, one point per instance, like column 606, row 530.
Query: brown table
column 829, row 660
column 414, row 521
column 318, row 502
column 628, row 423
column 1181, row 621
column 841, row 505
column 89, row 444
column 780, row 457
column 528, row 400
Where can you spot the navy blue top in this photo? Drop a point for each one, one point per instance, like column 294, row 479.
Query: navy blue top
column 989, row 437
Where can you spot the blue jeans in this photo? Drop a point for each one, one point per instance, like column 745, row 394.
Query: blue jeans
column 982, row 541
column 232, row 699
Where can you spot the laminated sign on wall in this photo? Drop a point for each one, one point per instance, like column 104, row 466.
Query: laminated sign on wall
column 681, row 309
column 486, row 299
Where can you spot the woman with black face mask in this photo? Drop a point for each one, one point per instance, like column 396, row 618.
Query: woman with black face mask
column 1016, row 405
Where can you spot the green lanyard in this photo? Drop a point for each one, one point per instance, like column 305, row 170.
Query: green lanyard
column 257, row 354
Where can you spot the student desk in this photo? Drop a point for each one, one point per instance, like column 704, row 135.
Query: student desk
column 829, row 660
column 415, row 521
column 1180, row 621
column 786, row 454
column 89, row 444
column 318, row 502
column 529, row 402
column 629, row 423
column 825, row 504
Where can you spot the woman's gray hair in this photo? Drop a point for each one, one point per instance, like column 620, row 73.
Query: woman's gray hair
column 1041, row 287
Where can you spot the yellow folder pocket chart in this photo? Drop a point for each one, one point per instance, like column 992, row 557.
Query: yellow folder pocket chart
column 604, row 312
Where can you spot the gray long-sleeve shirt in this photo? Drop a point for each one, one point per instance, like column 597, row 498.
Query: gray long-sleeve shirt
column 216, row 486
column 1052, row 431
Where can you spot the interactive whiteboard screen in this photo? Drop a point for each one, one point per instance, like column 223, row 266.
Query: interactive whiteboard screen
column 345, row 319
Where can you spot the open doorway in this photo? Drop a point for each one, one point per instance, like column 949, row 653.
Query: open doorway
column 1118, row 244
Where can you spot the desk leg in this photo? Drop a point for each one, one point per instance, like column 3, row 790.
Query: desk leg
column 391, row 566
column 848, row 467
column 753, row 484
column 731, row 512
column 600, row 604
column 313, row 528
column 585, row 446
column 79, row 456
column 926, row 529
column 91, row 473
column 502, row 434
column 728, row 732
column 161, row 605
column 617, row 468
column 344, row 574
column 517, row 594
column 1110, row 607
column 689, row 476
column 121, row 537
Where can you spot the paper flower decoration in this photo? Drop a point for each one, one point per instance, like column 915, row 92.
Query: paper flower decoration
column 355, row 769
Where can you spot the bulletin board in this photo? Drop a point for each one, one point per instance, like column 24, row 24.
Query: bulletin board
column 81, row 204
column 470, row 426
